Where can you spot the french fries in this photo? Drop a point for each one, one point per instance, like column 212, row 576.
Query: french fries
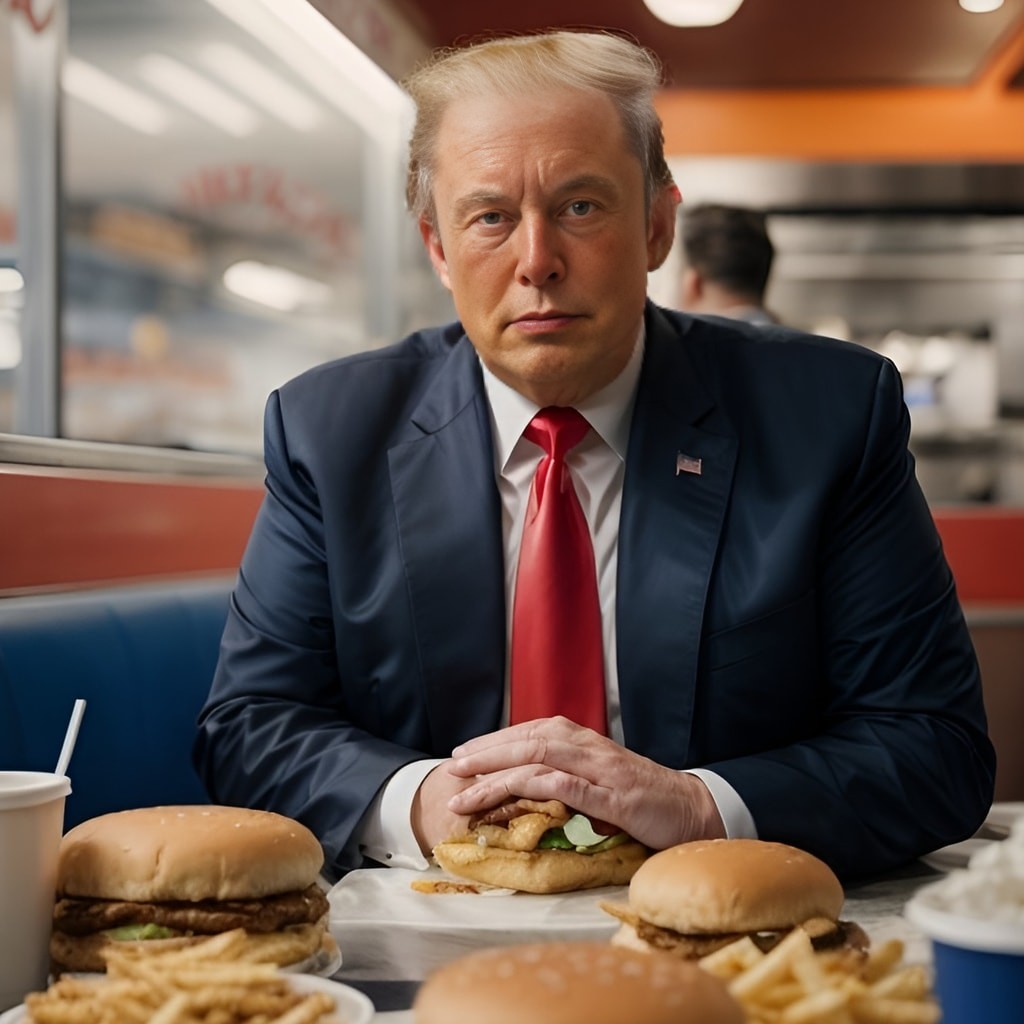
column 210, row 982
column 792, row 984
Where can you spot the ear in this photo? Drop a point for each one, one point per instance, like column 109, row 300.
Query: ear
column 661, row 225
column 690, row 289
column 435, row 250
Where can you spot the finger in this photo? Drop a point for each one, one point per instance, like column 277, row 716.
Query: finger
column 579, row 760
column 557, row 727
column 533, row 784
column 586, row 753
column 510, row 753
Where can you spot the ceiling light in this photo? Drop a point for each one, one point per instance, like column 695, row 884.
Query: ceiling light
column 263, row 87
column 10, row 280
column 981, row 6
column 198, row 94
column 273, row 286
column 113, row 98
column 329, row 62
column 693, row 13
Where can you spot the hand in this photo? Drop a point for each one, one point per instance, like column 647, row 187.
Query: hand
column 553, row 758
column 432, row 819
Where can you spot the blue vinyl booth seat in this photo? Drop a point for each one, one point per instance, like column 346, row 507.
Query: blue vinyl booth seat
column 143, row 657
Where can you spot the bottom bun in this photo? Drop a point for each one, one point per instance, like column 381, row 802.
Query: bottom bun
column 87, row 953
column 541, row 871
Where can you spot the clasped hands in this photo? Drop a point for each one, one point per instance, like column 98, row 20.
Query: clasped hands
column 553, row 758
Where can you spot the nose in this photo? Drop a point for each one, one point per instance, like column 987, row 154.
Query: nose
column 539, row 259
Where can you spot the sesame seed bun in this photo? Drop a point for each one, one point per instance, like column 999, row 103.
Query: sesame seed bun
column 573, row 983
column 719, row 886
column 194, row 852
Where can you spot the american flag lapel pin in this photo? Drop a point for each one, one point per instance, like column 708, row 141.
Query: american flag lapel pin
column 687, row 464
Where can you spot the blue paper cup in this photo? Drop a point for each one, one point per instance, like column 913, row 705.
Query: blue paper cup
column 979, row 965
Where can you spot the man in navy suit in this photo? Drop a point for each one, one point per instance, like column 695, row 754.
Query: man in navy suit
column 784, row 652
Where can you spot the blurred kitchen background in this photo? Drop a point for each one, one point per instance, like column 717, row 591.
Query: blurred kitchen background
column 214, row 201
column 923, row 262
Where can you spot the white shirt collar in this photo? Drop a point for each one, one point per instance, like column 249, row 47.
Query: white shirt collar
column 609, row 411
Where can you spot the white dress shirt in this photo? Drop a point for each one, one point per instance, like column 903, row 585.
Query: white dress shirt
column 597, row 465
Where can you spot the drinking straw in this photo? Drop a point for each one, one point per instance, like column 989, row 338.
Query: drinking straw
column 70, row 736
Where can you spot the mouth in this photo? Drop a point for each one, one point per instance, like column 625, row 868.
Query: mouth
column 541, row 322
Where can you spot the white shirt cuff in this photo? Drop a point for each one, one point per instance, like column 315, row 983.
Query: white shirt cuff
column 385, row 833
column 739, row 823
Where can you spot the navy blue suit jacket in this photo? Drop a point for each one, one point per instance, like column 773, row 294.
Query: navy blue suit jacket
column 786, row 618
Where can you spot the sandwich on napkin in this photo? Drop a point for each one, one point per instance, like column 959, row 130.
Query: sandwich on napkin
column 540, row 847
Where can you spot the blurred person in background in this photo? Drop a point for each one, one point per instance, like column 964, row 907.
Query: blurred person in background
column 728, row 257
column 768, row 643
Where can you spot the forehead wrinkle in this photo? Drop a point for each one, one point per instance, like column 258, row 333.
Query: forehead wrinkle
column 588, row 183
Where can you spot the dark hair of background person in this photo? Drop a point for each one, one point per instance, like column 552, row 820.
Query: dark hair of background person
column 729, row 246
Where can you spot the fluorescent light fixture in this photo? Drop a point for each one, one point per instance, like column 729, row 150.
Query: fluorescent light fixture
column 11, row 280
column 198, row 94
column 270, row 91
column 693, row 13
column 332, row 65
column 273, row 286
column 981, row 6
column 112, row 97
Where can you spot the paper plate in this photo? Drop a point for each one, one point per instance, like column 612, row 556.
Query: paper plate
column 391, row 932
column 351, row 1005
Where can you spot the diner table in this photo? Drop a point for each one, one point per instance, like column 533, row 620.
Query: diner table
column 401, row 953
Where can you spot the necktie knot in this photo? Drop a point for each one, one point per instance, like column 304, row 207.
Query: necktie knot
column 557, row 429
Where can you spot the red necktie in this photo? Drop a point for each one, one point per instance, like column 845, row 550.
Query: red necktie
column 557, row 655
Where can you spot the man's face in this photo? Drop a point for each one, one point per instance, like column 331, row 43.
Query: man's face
column 542, row 238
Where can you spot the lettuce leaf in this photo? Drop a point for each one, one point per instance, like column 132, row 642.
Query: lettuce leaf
column 579, row 835
column 554, row 839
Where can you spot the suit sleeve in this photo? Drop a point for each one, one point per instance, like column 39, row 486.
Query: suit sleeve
column 902, row 763
column 277, row 731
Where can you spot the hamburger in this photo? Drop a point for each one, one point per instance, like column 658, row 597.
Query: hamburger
column 573, row 983
column 171, row 876
column 692, row 899
column 540, row 847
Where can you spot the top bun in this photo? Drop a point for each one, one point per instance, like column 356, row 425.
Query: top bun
column 573, row 983
column 187, row 853
column 721, row 886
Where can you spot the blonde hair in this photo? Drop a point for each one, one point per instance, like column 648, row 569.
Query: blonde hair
column 594, row 61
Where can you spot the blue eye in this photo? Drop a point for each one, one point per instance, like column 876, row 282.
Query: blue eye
column 490, row 218
column 581, row 207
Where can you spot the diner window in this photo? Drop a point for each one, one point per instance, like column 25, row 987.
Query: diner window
column 229, row 200
column 231, row 213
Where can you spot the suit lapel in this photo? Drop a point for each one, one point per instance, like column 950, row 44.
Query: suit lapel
column 449, row 523
column 668, row 538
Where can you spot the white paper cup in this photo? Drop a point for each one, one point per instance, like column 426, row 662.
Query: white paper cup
column 31, row 823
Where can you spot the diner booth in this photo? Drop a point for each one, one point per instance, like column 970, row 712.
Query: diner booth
column 165, row 262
